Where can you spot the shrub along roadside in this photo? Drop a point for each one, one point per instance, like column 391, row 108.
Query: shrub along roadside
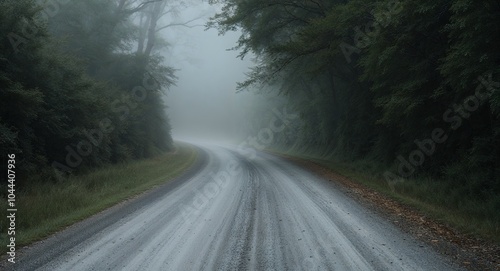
column 45, row 208
column 458, row 205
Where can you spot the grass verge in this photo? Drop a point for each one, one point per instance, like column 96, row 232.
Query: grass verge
column 45, row 208
column 454, row 204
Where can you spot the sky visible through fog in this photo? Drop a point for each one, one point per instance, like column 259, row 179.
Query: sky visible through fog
column 205, row 103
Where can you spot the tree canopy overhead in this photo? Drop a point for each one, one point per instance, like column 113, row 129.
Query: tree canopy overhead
column 384, row 76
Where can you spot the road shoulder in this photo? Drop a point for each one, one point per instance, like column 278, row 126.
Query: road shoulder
column 469, row 252
column 38, row 253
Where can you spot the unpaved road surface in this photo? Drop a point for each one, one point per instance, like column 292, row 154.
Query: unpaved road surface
column 236, row 212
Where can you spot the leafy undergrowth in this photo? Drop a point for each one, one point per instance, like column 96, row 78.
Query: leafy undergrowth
column 45, row 208
column 456, row 204
column 445, row 200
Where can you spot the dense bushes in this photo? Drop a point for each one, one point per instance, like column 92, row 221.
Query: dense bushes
column 76, row 109
column 383, row 74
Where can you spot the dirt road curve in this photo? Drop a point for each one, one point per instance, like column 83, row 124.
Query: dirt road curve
column 234, row 212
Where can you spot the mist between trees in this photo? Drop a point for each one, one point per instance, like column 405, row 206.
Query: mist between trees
column 83, row 83
column 363, row 79
column 368, row 79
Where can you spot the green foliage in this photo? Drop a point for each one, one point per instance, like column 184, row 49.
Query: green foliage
column 92, row 31
column 61, row 81
column 370, row 78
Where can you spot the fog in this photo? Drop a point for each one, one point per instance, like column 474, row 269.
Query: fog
column 204, row 103
column 396, row 98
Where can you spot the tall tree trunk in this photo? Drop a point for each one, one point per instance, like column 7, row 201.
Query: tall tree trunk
column 144, row 23
column 157, row 9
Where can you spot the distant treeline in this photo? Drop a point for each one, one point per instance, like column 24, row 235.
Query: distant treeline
column 412, row 85
column 81, row 85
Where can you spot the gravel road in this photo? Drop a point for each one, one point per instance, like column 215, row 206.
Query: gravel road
column 231, row 212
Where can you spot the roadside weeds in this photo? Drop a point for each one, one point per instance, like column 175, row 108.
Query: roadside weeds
column 470, row 252
column 47, row 208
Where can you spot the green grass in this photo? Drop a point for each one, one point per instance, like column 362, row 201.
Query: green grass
column 45, row 208
column 457, row 204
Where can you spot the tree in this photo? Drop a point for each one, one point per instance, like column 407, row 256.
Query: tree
column 63, row 80
column 369, row 79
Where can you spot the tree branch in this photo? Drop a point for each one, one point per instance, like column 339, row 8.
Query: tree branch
column 140, row 7
column 185, row 24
